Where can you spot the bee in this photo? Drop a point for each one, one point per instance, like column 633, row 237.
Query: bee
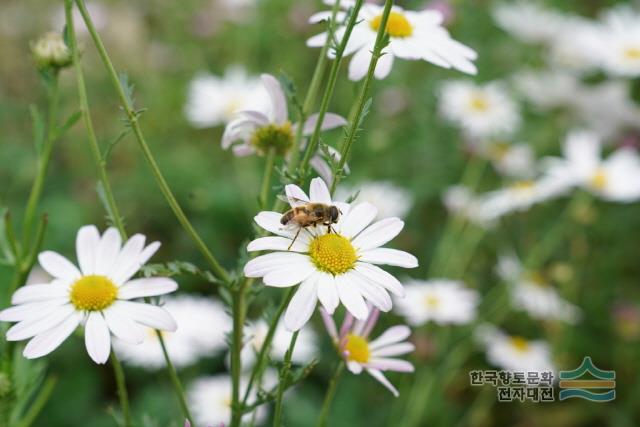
column 308, row 214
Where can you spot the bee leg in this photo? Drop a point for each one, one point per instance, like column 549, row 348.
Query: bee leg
column 294, row 239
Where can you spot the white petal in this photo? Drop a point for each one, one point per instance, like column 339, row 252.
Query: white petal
column 87, row 242
column 278, row 100
column 381, row 277
column 122, row 326
column 351, row 297
column 148, row 287
column 330, row 121
column 58, row 266
column 128, row 261
column 44, row 343
column 295, row 195
column 383, row 67
column 107, row 251
column 147, row 314
column 354, row 367
column 97, row 338
column 360, row 63
column 264, row 264
column 389, row 257
column 34, row 293
column 270, row 221
column 21, row 312
column 378, row 233
column 35, row 325
column 389, row 364
column 372, row 292
column 357, row 219
column 328, row 292
column 302, row 304
column 391, row 336
column 318, row 191
column 274, row 243
column 290, row 274
column 383, row 380
column 394, row 350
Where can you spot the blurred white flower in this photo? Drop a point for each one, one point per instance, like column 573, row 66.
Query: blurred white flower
column 414, row 35
column 331, row 266
column 389, row 199
column 202, row 325
column 615, row 179
column 548, row 89
column 574, row 45
column 375, row 356
column 528, row 20
column 532, row 293
column 458, row 200
column 619, row 39
column 511, row 160
column 439, row 300
column 214, row 100
column 97, row 295
column 514, row 353
column 481, row 111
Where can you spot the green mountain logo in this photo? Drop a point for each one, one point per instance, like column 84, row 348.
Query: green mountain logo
column 572, row 386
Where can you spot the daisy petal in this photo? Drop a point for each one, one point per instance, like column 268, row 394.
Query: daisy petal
column 274, row 243
column 381, row 277
column 270, row 221
column 354, row 367
column 389, row 364
column 372, row 292
column 318, row 191
column 148, row 287
column 278, row 100
column 58, row 266
column 330, row 121
column 127, row 263
column 302, row 304
column 392, row 335
column 296, row 196
column 350, row 297
column 264, row 264
column 357, row 219
column 389, row 257
column 87, row 241
column 107, row 251
column 44, row 343
column 378, row 233
column 33, row 326
column 97, row 338
column 394, row 350
column 122, row 326
column 21, row 312
column 328, row 292
column 147, row 314
column 34, row 293
column 383, row 380
column 290, row 274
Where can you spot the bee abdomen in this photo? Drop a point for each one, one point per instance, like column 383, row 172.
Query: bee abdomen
column 286, row 217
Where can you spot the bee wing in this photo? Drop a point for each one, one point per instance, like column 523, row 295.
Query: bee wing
column 293, row 201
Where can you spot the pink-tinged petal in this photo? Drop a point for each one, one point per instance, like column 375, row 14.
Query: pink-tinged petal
column 394, row 350
column 392, row 335
column 264, row 264
column 327, row 292
column 121, row 325
column 371, row 323
column 128, row 261
column 97, row 338
column 381, row 277
column 35, row 293
column 147, row 287
column 359, row 217
column 274, row 243
column 255, row 116
column 107, row 251
column 383, row 380
column 354, row 367
column 270, row 221
column 347, row 325
column 389, row 364
column 319, row 192
column 146, row 314
column 351, row 297
column 278, row 100
column 46, row 342
column 243, row 150
column 296, row 196
column 22, row 312
column 33, row 326
column 87, row 242
column 378, row 234
column 290, row 274
column 329, row 324
column 385, row 256
column 302, row 304
column 330, row 121
column 321, row 167
column 58, row 266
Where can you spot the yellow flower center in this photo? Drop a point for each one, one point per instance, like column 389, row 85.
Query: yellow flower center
column 357, row 349
column 525, row 185
column 432, row 301
column 397, row 25
column 479, row 103
column 599, row 180
column 632, row 53
column 499, row 150
column 272, row 136
column 333, row 253
column 536, row 278
column 93, row 293
column 520, row 344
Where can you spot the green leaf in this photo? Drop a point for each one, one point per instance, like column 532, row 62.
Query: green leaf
column 27, row 376
column 71, row 120
column 176, row 268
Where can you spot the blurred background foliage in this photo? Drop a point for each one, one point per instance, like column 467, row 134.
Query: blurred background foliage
column 162, row 45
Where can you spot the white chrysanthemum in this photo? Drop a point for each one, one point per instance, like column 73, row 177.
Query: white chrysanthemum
column 388, row 198
column 305, row 350
column 333, row 267
column 481, row 111
column 548, row 89
column 511, row 160
column 373, row 356
column 202, row 325
column 441, row 301
column 528, row 21
column 413, row 35
column 214, row 100
column 615, row 179
column 574, row 44
column 532, row 293
column 514, row 353
column 619, row 47
column 97, row 295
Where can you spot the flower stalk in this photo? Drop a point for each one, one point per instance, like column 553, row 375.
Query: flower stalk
column 284, row 379
column 122, row 389
column 328, row 397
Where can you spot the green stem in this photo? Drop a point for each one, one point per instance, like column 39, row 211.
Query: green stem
column 175, row 380
column 43, row 161
column 328, row 397
column 38, row 404
column 132, row 118
column 354, row 125
column 284, row 379
column 122, row 389
column 24, row 266
column 238, row 310
column 266, row 178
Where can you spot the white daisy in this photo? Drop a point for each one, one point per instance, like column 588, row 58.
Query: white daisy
column 414, row 35
column 481, row 111
column 202, row 327
column 514, row 353
column 97, row 295
column 440, row 300
column 619, row 46
column 388, row 198
column 511, row 160
column 549, row 89
column 528, row 21
column 373, row 356
column 532, row 293
column 333, row 267
column 305, row 350
column 214, row 100
column 615, row 179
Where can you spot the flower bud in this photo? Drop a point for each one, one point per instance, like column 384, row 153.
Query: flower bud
column 50, row 51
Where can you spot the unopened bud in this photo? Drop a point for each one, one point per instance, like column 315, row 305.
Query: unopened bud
column 50, row 51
